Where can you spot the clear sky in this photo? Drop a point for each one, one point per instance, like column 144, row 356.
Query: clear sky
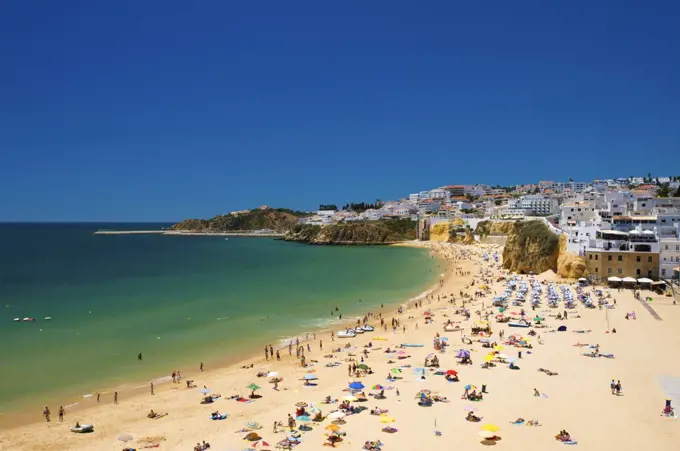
column 160, row 110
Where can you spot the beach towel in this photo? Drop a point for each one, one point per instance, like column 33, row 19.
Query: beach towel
column 517, row 422
column 570, row 442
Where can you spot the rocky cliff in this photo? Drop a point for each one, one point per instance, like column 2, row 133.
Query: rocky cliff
column 277, row 219
column 531, row 247
column 374, row 232
column 571, row 266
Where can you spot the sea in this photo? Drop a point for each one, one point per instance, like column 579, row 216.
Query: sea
column 177, row 300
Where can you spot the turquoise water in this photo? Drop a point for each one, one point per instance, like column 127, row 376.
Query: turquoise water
column 178, row 300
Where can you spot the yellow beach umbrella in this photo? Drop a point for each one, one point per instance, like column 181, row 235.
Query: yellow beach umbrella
column 333, row 427
column 350, row 398
column 490, row 427
column 498, row 348
column 488, row 358
column 386, row 419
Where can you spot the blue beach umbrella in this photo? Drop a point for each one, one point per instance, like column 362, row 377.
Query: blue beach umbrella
column 356, row 385
column 310, row 377
column 205, row 391
column 303, row 418
column 463, row 353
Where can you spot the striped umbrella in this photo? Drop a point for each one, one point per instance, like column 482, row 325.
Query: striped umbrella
column 125, row 438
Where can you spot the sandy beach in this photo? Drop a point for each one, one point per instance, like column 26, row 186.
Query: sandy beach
column 577, row 399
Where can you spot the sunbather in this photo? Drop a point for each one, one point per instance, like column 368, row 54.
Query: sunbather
column 563, row 436
column 472, row 417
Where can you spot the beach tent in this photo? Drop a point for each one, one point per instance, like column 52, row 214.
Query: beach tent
column 614, row 279
column 629, row 280
column 645, row 280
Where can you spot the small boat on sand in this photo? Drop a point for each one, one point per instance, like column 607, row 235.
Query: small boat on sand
column 83, row 428
column 520, row 323
column 358, row 330
column 349, row 333
column 367, row 328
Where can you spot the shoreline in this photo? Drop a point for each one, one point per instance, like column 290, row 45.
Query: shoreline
column 188, row 233
column 131, row 389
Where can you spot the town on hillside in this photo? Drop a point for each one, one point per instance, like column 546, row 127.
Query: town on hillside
column 624, row 228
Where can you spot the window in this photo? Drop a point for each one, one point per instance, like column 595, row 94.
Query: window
column 620, row 271
column 597, row 269
column 620, row 258
column 667, row 247
column 609, row 257
column 637, row 259
column 597, row 257
column 609, row 270
column 649, row 259
column 637, row 271
column 649, row 273
column 663, row 273
column 677, row 247
column 590, row 257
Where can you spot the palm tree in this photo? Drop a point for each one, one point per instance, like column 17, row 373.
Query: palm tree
column 664, row 190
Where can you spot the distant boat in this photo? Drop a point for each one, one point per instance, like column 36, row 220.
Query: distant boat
column 28, row 319
column 226, row 239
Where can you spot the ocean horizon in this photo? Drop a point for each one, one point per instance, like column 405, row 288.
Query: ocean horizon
column 177, row 300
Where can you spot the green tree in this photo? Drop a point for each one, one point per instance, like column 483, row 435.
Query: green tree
column 677, row 193
column 498, row 201
column 664, row 190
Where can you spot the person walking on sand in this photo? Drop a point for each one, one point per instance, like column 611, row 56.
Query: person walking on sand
column 266, row 353
column 151, row 385
column 618, row 388
column 321, row 345
column 278, row 356
column 612, row 387
column 98, row 395
column 61, row 414
column 115, row 397
column 46, row 414
column 201, row 366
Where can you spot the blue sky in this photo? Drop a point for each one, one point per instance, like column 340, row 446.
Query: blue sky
column 161, row 110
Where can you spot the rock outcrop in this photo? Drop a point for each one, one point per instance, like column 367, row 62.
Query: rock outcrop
column 531, row 247
column 276, row 219
column 569, row 265
column 354, row 233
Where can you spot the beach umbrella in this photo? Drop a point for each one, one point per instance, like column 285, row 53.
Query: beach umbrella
column 486, row 434
column 488, row 358
column 470, row 387
column 350, row 398
column 272, row 374
column 386, row 419
column 498, row 348
column 363, row 366
column 356, row 385
column 338, row 414
column 260, row 443
column 205, row 391
column 378, row 387
column 252, row 437
column 303, row 418
column 444, row 339
column 490, row 428
column 485, row 340
column 395, row 370
column 310, row 377
column 470, row 409
column 253, row 387
column 253, row 425
column 301, row 404
column 451, row 373
column 125, row 438
column 463, row 353
column 333, row 427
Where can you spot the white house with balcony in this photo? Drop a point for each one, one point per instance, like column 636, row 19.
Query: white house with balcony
column 574, row 212
column 538, row 205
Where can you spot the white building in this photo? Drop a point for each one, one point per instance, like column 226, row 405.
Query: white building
column 669, row 256
column 440, row 194
column 577, row 212
column 538, row 205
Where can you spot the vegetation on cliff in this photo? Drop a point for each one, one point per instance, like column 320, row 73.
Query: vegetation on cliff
column 372, row 232
column 278, row 219
column 531, row 246
column 452, row 232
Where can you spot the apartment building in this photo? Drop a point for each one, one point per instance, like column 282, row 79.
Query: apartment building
column 603, row 264
column 669, row 256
